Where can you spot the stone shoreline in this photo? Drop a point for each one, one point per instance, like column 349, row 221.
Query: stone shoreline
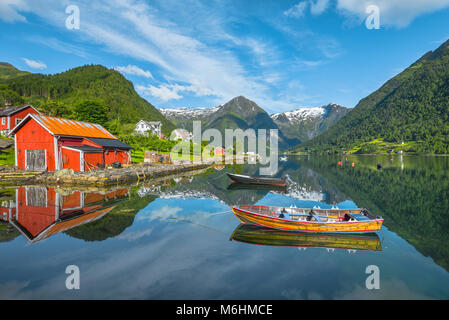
column 98, row 178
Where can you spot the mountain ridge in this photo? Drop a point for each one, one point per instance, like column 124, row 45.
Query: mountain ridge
column 57, row 94
column 412, row 107
column 243, row 113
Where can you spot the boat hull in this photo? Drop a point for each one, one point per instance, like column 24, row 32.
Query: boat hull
column 264, row 187
column 257, row 180
column 249, row 217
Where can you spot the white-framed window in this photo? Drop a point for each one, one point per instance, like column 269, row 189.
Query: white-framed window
column 18, row 121
column 3, row 120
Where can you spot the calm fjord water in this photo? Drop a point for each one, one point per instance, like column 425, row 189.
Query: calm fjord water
column 178, row 239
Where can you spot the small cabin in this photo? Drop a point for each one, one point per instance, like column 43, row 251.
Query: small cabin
column 50, row 143
column 219, row 151
column 13, row 115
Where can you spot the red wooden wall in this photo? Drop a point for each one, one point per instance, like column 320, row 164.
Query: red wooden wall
column 19, row 115
column 32, row 136
column 70, row 159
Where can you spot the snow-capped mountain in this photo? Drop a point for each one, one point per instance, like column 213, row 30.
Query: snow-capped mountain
column 295, row 126
column 301, row 114
column 306, row 123
column 187, row 113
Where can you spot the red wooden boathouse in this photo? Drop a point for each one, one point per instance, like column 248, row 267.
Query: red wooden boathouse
column 11, row 116
column 51, row 143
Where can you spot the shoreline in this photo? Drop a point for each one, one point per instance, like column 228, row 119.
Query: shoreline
column 11, row 177
column 100, row 178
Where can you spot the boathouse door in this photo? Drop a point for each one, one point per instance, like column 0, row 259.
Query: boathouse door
column 35, row 160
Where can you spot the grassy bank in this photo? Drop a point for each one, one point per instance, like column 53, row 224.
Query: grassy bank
column 379, row 146
column 7, row 158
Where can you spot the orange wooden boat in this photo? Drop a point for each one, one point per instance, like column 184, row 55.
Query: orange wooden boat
column 309, row 220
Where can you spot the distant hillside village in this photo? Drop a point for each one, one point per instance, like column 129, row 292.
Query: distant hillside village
column 47, row 143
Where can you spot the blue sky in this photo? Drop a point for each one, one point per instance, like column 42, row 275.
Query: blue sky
column 193, row 53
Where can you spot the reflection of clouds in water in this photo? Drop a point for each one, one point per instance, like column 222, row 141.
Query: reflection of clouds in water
column 389, row 289
column 195, row 263
column 298, row 294
column 134, row 235
column 392, row 289
column 166, row 267
column 185, row 261
column 12, row 289
column 164, row 212
column 173, row 213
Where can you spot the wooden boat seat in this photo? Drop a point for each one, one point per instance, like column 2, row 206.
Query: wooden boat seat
column 359, row 217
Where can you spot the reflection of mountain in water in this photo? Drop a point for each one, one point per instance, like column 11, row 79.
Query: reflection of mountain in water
column 304, row 184
column 308, row 184
column 411, row 193
column 212, row 185
column 116, row 221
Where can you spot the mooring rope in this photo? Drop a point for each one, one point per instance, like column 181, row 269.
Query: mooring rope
column 217, row 213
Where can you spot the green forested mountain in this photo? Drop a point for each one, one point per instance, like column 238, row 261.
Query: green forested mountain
column 58, row 94
column 7, row 71
column 411, row 107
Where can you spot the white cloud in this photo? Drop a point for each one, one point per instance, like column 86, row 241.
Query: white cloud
column 199, row 58
column 58, row 45
column 317, row 7
column 163, row 92
column 134, row 70
column 398, row 13
column 35, row 64
column 297, row 11
column 309, row 63
column 8, row 10
column 166, row 92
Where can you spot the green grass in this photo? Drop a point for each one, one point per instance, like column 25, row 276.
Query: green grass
column 137, row 156
column 7, row 157
column 379, row 146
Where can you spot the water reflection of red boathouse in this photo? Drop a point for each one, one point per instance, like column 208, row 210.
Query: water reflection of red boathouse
column 40, row 212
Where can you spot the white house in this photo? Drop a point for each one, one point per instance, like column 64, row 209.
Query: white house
column 154, row 127
column 180, row 134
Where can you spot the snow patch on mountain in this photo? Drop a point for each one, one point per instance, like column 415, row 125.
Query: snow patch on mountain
column 301, row 114
column 187, row 113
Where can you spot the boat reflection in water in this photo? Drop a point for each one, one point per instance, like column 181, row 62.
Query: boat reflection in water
column 40, row 212
column 243, row 186
column 259, row 235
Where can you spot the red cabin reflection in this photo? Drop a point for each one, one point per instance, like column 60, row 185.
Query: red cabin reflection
column 41, row 212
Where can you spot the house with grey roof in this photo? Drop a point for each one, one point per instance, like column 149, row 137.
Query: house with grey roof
column 144, row 127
